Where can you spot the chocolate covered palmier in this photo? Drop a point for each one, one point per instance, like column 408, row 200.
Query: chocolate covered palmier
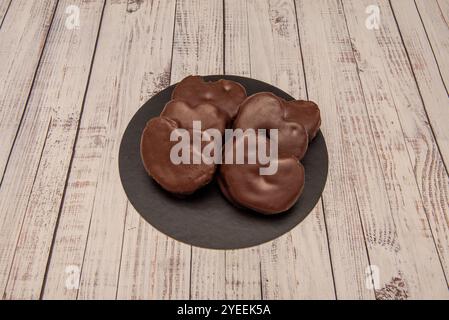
column 297, row 122
column 155, row 151
column 243, row 185
column 156, row 147
column 267, row 111
column 226, row 95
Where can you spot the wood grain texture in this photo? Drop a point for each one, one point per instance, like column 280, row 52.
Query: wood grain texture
column 354, row 173
column 48, row 131
column 18, row 63
column 430, row 171
column 426, row 71
column 397, row 122
column 444, row 8
column 243, row 278
column 198, row 49
column 4, row 6
column 68, row 94
column 22, row 35
column 296, row 265
column 435, row 18
column 91, row 229
column 153, row 265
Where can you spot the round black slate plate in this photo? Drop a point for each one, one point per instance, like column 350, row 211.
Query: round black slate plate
column 206, row 219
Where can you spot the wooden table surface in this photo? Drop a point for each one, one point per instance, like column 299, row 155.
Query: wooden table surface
column 73, row 73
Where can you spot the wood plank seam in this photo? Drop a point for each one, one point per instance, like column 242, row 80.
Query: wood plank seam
column 321, row 198
column 31, row 89
column 173, row 42
column 72, row 156
column 428, row 39
column 416, row 81
column 442, row 13
column 364, row 239
column 121, row 250
column 372, row 133
column 52, row 47
column 404, row 142
column 430, row 127
column 17, row 132
column 87, row 240
column 302, row 57
column 356, row 197
column 363, row 96
column 432, row 133
column 6, row 12
column 28, row 202
column 145, row 230
column 224, row 43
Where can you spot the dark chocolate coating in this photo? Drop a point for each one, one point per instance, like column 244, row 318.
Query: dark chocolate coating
column 184, row 114
column 305, row 112
column 297, row 123
column 155, row 149
column 266, row 111
column 224, row 94
column 243, row 185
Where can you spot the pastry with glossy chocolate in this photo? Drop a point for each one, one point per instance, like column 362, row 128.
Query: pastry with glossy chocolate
column 156, row 145
column 226, row 95
column 297, row 122
column 243, row 185
column 184, row 114
column 305, row 112
column 155, row 151
column 267, row 111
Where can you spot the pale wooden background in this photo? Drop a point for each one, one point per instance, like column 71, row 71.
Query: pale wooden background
column 66, row 96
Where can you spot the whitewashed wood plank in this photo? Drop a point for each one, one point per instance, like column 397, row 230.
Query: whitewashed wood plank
column 154, row 266
column 50, row 126
column 243, row 279
column 429, row 169
column 92, row 221
column 4, row 5
column 391, row 96
column 296, row 265
column 355, row 187
column 136, row 25
column 198, row 49
column 22, row 36
column 444, row 7
column 435, row 17
column 19, row 57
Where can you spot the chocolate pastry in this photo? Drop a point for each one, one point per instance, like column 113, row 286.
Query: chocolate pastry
column 296, row 121
column 184, row 114
column 266, row 111
column 226, row 95
column 156, row 145
column 243, row 184
column 305, row 112
column 155, row 151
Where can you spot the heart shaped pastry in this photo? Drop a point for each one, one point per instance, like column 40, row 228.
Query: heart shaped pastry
column 305, row 112
column 226, row 95
column 296, row 122
column 155, row 150
column 184, row 114
column 267, row 111
column 244, row 186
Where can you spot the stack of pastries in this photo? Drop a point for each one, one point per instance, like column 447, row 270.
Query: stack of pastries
column 222, row 105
